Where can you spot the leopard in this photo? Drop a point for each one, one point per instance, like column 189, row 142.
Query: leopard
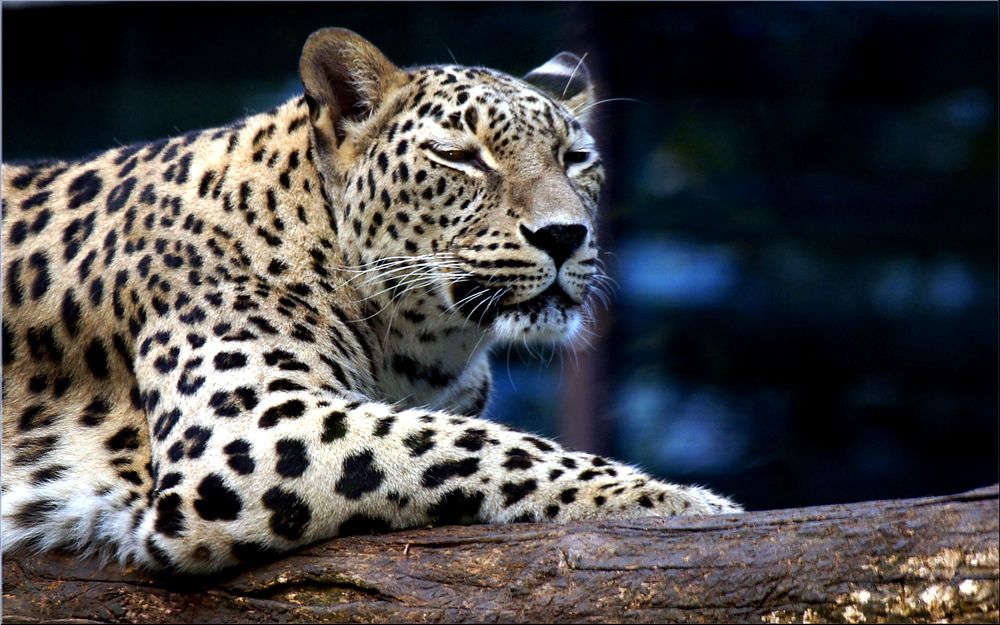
column 224, row 345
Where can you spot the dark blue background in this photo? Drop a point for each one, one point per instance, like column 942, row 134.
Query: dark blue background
column 801, row 213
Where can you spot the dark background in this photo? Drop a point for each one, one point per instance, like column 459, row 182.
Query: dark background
column 801, row 212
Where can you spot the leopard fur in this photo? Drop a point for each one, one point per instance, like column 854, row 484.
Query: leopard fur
column 224, row 345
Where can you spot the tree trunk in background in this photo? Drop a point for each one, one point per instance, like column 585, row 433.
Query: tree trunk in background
column 916, row 560
column 585, row 421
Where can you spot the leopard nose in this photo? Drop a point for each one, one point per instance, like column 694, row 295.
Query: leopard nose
column 557, row 240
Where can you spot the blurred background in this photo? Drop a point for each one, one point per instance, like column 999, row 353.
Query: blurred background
column 802, row 212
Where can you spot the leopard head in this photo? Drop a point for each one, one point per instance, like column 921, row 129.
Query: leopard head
column 462, row 191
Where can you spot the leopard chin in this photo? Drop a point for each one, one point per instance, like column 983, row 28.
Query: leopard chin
column 550, row 324
column 552, row 316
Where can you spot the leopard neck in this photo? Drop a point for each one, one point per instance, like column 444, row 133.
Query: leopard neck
column 422, row 351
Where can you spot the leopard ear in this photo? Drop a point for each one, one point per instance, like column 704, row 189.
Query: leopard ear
column 566, row 79
column 345, row 79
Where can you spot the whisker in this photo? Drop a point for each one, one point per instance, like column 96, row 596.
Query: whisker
column 510, row 377
column 604, row 101
column 572, row 75
column 499, row 295
column 428, row 271
column 485, row 301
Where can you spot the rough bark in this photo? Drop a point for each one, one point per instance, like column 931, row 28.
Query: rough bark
column 927, row 559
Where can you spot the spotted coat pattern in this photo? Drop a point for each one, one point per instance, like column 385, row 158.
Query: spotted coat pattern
column 223, row 345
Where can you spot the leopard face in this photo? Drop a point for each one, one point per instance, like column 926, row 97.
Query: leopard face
column 470, row 194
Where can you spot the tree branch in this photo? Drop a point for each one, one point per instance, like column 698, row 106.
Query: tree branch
column 903, row 560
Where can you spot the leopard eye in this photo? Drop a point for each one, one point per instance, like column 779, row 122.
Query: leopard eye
column 575, row 157
column 458, row 156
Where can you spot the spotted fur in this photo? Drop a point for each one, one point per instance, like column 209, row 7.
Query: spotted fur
column 223, row 345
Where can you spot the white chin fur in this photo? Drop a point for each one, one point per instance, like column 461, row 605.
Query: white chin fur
column 551, row 326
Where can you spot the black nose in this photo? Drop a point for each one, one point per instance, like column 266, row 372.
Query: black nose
column 558, row 240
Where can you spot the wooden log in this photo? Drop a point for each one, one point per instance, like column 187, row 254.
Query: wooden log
column 913, row 560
